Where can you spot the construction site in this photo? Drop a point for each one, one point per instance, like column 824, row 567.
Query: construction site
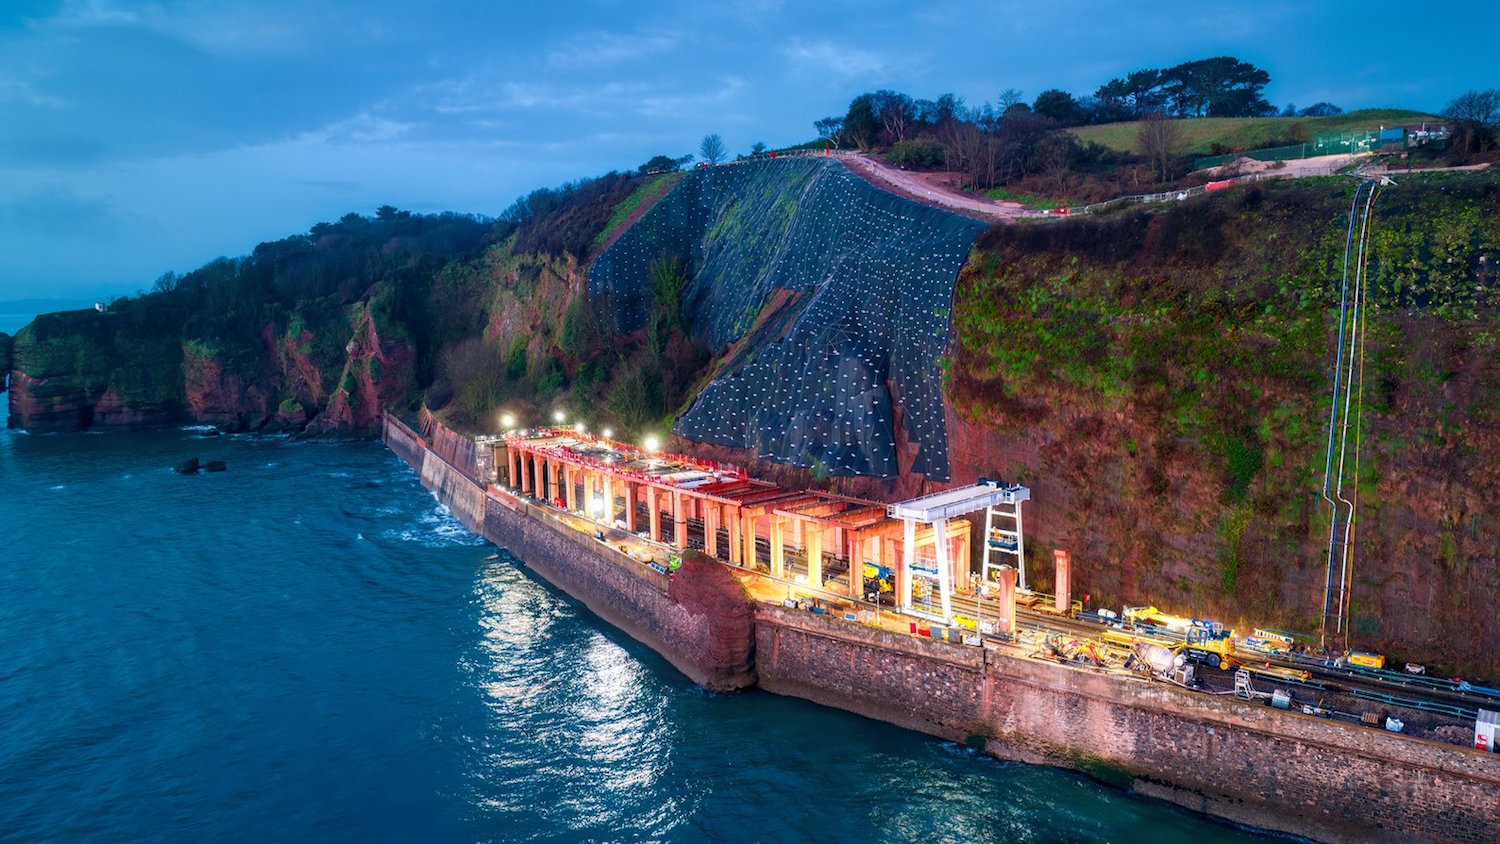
column 742, row 583
column 915, row 567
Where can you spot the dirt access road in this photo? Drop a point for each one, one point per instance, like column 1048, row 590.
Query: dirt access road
column 942, row 189
column 937, row 189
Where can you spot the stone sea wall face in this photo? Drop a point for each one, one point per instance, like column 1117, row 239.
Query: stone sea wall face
column 1248, row 763
column 624, row 593
column 405, row 443
column 701, row 621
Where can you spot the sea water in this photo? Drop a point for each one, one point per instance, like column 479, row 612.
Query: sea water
column 308, row 647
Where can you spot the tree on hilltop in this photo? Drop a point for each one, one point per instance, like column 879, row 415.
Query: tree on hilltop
column 1134, row 96
column 712, row 149
column 1222, row 86
column 1320, row 110
column 861, row 125
column 1478, row 116
column 830, row 129
column 664, row 164
column 1157, row 142
column 1056, row 104
column 896, row 112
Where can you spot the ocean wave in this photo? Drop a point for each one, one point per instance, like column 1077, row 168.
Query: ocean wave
column 436, row 528
column 199, row 429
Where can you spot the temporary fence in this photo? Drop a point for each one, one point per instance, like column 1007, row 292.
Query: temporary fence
column 1332, row 143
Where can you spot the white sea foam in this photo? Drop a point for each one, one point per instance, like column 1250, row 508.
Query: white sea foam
column 436, row 528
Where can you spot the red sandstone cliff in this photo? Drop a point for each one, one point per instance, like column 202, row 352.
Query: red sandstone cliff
column 377, row 371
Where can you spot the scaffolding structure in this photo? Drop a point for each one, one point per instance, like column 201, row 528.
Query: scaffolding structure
column 995, row 497
column 1007, row 541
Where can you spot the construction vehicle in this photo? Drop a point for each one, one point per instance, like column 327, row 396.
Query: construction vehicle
column 1154, row 617
column 1156, row 660
column 1213, row 649
column 1365, row 659
column 1057, row 647
column 880, row 584
column 1206, row 641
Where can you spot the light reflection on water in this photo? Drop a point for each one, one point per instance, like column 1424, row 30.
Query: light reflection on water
column 591, row 733
column 576, row 733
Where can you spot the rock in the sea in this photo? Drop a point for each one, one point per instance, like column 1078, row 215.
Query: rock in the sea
column 214, row 466
column 187, row 467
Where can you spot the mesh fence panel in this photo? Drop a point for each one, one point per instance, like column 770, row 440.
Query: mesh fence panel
column 870, row 282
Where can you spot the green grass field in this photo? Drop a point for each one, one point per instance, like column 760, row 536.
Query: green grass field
column 1247, row 133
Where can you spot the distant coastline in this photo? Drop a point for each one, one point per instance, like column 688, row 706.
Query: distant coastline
column 11, row 323
column 15, row 313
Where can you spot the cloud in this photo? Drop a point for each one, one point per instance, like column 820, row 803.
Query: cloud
column 18, row 91
column 363, row 128
column 55, row 210
column 679, row 105
column 601, row 49
column 827, row 58
column 333, row 185
column 222, row 29
column 478, row 96
column 89, row 13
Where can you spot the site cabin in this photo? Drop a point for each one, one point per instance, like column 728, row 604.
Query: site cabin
column 1486, row 730
column 1365, row 659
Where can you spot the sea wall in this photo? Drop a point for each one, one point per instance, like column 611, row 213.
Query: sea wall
column 406, row 443
column 1323, row 779
column 700, row 620
column 1248, row 763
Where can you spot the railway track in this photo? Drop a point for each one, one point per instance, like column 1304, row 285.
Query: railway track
column 1436, row 695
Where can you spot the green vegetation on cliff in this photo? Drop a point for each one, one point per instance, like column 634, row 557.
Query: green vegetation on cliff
column 227, row 343
column 1169, row 373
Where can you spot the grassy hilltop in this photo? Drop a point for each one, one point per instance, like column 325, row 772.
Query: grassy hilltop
column 1204, row 135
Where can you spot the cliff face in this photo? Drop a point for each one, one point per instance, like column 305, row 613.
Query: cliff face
column 4, row 360
column 1163, row 383
column 380, row 370
column 836, row 296
column 71, row 373
column 75, row 369
column 312, row 333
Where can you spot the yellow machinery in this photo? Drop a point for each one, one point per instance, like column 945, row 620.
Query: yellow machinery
column 1365, row 659
column 1295, row 675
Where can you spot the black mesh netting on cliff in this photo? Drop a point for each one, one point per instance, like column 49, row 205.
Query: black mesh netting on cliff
column 853, row 341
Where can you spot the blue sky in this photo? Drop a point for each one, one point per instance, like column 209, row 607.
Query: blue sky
column 140, row 137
